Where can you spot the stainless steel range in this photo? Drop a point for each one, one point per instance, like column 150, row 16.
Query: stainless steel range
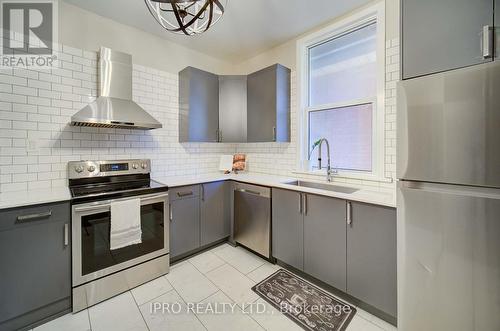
column 100, row 272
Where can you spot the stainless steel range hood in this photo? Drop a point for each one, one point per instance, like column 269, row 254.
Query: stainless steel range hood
column 114, row 107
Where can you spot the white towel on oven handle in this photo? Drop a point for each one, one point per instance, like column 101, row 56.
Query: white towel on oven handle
column 125, row 223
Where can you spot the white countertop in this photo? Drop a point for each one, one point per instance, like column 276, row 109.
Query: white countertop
column 384, row 197
column 376, row 196
column 33, row 197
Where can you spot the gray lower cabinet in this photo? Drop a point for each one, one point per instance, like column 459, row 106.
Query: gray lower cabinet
column 312, row 234
column 325, row 239
column 35, row 259
column 184, row 220
column 288, row 227
column 440, row 35
column 372, row 256
column 215, row 218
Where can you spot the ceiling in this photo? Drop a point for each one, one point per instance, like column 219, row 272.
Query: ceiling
column 248, row 27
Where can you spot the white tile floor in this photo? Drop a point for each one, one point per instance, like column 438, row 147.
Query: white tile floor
column 222, row 275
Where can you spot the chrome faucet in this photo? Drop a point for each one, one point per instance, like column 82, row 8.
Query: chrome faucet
column 329, row 171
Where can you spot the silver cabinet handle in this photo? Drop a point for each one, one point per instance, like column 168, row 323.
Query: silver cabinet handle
column 184, row 194
column 487, row 41
column 300, row 203
column 171, row 216
column 66, row 234
column 202, row 192
column 33, row 217
column 274, row 133
column 306, row 207
column 349, row 213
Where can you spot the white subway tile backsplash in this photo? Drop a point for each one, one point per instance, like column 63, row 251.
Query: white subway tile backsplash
column 24, row 108
column 12, row 115
column 9, row 97
column 41, row 112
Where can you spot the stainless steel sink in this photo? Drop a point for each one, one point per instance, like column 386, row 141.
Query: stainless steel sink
column 320, row 186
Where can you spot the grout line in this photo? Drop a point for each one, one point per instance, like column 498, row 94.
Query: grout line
column 196, row 316
column 88, row 317
column 204, row 273
column 140, row 312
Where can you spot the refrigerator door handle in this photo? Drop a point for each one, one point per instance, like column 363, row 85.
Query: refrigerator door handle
column 459, row 190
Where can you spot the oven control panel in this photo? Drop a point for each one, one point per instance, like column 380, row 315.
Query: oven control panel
column 86, row 169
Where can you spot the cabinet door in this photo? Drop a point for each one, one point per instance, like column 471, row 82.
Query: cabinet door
column 198, row 106
column 371, row 256
column 325, row 239
column 268, row 105
column 35, row 281
column 214, row 218
column 233, row 109
column 440, row 35
column 184, row 226
column 287, row 227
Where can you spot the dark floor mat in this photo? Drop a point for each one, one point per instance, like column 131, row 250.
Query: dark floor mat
column 306, row 304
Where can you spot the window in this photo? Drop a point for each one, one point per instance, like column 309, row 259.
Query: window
column 342, row 89
column 349, row 132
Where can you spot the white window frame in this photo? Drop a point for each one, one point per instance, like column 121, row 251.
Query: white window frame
column 375, row 13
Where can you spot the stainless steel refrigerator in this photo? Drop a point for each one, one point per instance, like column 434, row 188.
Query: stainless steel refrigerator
column 449, row 201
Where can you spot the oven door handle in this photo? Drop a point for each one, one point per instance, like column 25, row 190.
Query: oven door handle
column 107, row 203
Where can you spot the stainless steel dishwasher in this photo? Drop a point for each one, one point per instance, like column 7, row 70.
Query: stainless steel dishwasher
column 252, row 218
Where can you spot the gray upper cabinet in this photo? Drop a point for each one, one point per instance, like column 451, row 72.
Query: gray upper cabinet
column 198, row 106
column 440, row 35
column 325, row 239
column 35, row 258
column 233, row 109
column 268, row 105
column 215, row 218
column 184, row 220
column 372, row 256
column 287, row 227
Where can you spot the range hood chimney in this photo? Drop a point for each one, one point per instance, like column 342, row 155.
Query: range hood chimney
column 114, row 107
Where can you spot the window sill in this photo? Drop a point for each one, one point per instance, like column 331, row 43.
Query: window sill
column 343, row 175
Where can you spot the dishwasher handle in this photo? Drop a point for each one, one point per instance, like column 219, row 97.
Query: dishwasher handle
column 248, row 191
column 256, row 190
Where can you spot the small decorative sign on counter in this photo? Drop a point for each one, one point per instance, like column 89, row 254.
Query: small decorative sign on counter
column 234, row 163
column 239, row 162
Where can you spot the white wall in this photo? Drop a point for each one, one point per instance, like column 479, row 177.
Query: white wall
column 85, row 30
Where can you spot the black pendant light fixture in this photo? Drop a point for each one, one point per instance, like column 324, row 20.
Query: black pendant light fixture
column 187, row 17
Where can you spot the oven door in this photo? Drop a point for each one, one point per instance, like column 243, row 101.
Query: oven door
column 92, row 257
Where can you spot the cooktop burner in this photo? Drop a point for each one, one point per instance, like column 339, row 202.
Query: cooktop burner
column 97, row 180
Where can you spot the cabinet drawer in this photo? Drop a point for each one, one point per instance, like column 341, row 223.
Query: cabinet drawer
column 23, row 216
column 184, row 192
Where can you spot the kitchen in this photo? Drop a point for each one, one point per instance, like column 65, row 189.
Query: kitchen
column 221, row 165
